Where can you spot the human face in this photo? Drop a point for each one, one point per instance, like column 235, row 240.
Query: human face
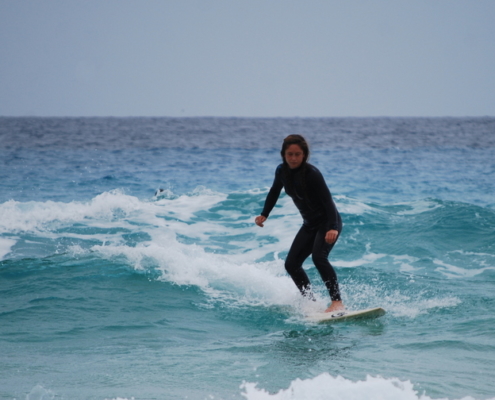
column 294, row 156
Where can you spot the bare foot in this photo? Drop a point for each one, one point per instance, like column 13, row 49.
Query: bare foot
column 335, row 306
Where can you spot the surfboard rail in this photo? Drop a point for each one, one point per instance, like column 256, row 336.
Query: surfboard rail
column 346, row 315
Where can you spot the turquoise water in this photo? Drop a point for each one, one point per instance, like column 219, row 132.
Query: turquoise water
column 109, row 291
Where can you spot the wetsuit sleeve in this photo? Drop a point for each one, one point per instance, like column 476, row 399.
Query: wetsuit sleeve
column 274, row 193
column 325, row 197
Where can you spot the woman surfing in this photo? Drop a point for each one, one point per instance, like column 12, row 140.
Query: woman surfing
column 322, row 223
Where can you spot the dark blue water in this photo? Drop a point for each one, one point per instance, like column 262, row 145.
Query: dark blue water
column 108, row 291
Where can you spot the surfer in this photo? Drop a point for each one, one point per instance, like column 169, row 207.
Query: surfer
column 322, row 224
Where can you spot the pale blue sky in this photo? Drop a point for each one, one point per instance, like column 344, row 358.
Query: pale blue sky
column 267, row 58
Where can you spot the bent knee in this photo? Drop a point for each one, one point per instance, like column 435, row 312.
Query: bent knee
column 319, row 260
column 291, row 265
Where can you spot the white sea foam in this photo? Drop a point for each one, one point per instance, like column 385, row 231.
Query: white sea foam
column 471, row 253
column 347, row 205
column 327, row 387
column 453, row 271
column 185, row 206
column 40, row 393
column 419, row 207
column 41, row 216
column 218, row 275
column 6, row 246
column 367, row 258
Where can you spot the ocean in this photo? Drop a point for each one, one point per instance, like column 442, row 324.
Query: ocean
column 131, row 268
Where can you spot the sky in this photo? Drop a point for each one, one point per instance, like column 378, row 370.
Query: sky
column 247, row 58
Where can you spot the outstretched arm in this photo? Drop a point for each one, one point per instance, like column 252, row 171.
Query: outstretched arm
column 271, row 198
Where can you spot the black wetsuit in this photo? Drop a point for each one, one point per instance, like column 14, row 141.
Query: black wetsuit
column 307, row 188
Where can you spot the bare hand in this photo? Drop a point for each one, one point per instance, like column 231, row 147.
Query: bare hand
column 331, row 236
column 259, row 220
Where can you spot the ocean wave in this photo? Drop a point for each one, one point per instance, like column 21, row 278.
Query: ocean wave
column 208, row 239
column 327, row 387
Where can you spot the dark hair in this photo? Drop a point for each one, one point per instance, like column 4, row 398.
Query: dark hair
column 300, row 141
column 289, row 185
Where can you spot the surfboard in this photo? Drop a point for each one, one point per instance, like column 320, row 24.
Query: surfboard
column 346, row 315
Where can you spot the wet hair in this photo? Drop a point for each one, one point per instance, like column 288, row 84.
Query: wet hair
column 301, row 142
